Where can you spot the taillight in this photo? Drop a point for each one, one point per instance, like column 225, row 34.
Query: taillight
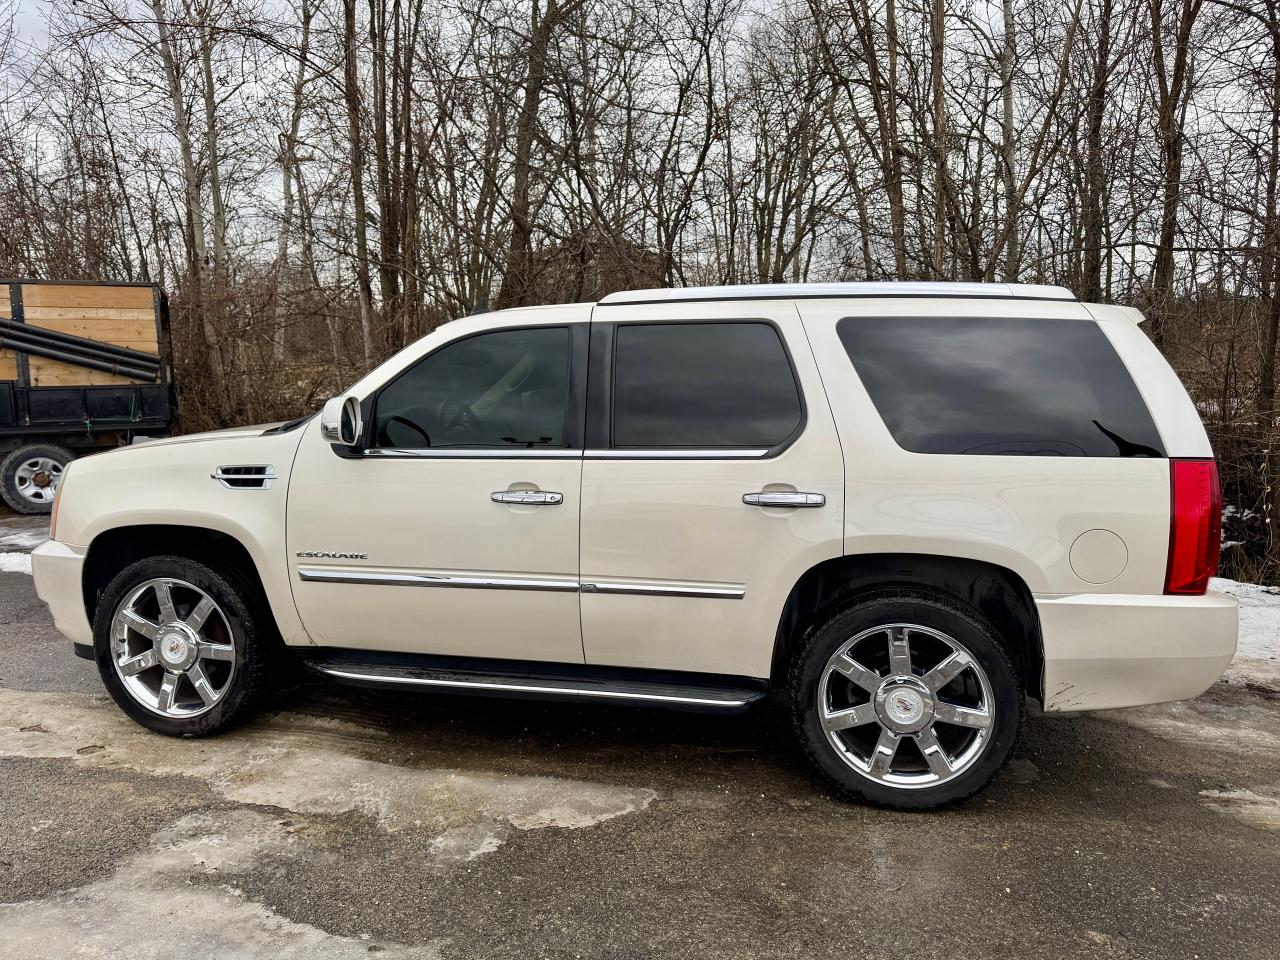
column 1195, row 525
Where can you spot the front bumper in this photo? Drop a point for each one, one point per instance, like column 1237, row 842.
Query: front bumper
column 58, row 572
column 1120, row 650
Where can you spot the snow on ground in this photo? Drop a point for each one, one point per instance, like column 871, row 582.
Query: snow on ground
column 1259, row 618
column 15, row 563
column 20, row 538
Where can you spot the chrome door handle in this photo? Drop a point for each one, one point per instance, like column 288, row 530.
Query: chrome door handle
column 783, row 499
column 534, row 497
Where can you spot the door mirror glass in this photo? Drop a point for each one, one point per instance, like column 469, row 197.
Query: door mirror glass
column 341, row 421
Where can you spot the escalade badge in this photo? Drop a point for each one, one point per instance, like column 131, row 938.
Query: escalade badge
column 331, row 555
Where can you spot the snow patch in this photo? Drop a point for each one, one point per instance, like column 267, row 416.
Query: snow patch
column 15, row 563
column 1245, row 805
column 149, row 909
column 295, row 765
column 13, row 538
column 1259, row 618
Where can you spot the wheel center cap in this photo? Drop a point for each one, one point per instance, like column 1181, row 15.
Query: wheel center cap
column 175, row 649
column 904, row 704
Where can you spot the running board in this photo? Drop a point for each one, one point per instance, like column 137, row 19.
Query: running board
column 698, row 692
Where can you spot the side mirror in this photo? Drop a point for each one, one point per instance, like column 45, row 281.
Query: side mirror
column 341, row 422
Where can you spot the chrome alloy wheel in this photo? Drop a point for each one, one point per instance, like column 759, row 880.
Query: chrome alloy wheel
column 172, row 648
column 906, row 705
column 37, row 479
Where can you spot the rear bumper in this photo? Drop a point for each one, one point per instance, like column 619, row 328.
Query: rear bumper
column 57, row 569
column 1119, row 650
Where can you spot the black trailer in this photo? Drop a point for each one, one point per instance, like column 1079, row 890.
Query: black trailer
column 83, row 367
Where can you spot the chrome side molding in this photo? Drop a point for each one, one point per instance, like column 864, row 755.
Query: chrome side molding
column 395, row 578
column 727, row 592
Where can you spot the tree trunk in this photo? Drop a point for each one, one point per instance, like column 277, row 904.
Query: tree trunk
column 1174, row 86
column 1008, row 145
column 1094, row 161
column 516, row 281
column 936, row 37
column 351, row 94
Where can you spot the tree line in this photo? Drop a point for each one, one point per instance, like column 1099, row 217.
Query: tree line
column 319, row 182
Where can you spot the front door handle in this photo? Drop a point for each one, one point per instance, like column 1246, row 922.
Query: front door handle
column 534, row 497
column 781, row 498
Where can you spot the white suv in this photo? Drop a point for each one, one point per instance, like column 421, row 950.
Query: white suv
column 899, row 508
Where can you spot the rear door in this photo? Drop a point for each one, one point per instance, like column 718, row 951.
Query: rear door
column 713, row 479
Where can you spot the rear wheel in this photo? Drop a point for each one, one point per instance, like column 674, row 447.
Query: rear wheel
column 907, row 700
column 29, row 476
column 181, row 647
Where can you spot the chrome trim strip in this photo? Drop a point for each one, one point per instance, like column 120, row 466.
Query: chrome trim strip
column 496, row 453
column 266, row 476
column 531, row 688
column 472, row 453
column 677, row 454
column 733, row 592
column 389, row 578
column 393, row 579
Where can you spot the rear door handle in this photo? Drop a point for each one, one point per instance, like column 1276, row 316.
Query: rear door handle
column 535, row 497
column 783, row 499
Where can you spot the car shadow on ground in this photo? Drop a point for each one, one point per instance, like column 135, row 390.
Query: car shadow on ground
column 1118, row 757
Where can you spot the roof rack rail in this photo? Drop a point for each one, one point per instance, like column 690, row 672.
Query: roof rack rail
column 825, row 291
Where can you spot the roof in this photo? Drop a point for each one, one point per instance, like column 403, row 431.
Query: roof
column 825, row 291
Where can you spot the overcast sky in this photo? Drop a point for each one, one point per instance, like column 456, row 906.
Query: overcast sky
column 30, row 20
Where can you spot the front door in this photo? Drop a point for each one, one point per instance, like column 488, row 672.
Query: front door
column 457, row 531
column 713, row 479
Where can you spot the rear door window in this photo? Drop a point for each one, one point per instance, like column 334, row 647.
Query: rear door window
column 703, row 385
column 1003, row 386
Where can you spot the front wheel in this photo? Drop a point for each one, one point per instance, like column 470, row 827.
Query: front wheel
column 181, row 647
column 907, row 700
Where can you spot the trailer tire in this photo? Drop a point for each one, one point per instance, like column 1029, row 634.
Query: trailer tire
column 29, row 476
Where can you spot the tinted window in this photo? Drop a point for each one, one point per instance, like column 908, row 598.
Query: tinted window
column 702, row 385
column 1000, row 386
column 505, row 389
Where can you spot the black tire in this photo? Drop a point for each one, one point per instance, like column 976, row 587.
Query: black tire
column 960, row 623
column 9, row 467
column 253, row 634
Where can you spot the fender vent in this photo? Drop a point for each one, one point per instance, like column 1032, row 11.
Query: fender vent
column 253, row 476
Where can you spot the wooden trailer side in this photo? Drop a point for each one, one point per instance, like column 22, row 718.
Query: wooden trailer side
column 121, row 315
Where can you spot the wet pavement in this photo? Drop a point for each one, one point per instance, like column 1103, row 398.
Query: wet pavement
column 348, row 823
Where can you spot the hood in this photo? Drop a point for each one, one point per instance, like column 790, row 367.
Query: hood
column 230, row 433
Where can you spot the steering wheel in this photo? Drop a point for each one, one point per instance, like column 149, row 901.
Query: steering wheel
column 457, row 418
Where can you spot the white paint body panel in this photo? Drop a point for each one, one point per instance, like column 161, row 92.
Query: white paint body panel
column 434, row 517
column 169, row 482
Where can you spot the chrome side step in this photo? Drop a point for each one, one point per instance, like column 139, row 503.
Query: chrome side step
column 504, row 678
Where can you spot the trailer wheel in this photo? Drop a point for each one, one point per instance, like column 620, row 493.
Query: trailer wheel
column 29, row 476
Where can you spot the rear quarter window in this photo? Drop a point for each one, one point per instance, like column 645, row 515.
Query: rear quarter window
column 1000, row 386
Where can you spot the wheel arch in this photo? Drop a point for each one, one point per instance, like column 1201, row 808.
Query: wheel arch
column 996, row 592
column 116, row 548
